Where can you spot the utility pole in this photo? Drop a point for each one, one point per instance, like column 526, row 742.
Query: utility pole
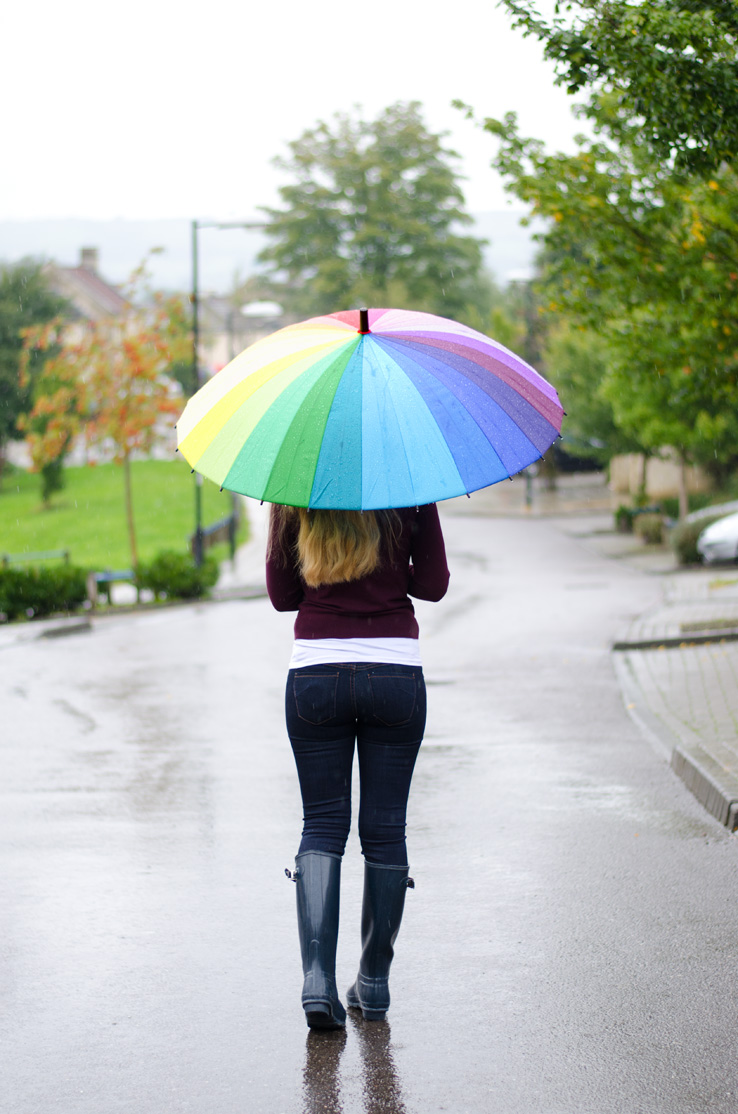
column 197, row 547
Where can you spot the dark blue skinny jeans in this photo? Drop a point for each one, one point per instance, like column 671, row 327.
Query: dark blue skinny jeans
column 378, row 708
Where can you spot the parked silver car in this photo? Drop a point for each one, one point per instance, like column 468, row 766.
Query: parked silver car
column 719, row 542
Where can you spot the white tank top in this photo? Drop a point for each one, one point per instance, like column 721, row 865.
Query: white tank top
column 326, row 651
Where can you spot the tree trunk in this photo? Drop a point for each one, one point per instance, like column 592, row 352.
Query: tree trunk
column 683, row 500
column 548, row 471
column 642, row 496
column 129, row 512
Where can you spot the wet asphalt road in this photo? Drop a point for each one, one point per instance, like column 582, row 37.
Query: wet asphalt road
column 570, row 946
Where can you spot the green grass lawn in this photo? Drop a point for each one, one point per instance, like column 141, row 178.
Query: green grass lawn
column 88, row 516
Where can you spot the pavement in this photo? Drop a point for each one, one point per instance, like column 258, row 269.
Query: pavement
column 677, row 663
column 570, row 942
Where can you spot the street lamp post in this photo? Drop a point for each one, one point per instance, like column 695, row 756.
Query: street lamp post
column 197, row 546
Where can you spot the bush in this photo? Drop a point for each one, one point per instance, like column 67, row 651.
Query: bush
column 175, row 575
column 36, row 592
column 624, row 519
column 683, row 538
column 650, row 527
column 696, row 501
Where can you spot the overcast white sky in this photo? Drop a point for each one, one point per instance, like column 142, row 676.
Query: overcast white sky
column 156, row 108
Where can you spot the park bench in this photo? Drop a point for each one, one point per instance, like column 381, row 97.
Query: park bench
column 9, row 559
column 101, row 582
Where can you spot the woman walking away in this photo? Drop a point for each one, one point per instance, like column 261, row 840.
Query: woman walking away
column 355, row 679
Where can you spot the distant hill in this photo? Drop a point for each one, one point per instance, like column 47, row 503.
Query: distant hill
column 222, row 253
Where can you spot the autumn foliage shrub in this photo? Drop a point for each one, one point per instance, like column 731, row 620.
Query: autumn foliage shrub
column 37, row 592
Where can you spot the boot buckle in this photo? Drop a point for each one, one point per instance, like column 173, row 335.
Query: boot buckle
column 293, row 875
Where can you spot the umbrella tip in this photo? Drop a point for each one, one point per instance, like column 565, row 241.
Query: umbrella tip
column 364, row 321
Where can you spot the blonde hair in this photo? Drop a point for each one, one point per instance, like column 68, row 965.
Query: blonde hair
column 334, row 547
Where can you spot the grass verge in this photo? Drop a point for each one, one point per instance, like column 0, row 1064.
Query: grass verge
column 88, row 516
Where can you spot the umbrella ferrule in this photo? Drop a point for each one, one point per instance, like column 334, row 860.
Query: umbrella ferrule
column 364, row 321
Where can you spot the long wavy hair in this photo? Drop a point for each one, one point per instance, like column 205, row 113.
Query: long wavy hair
column 333, row 547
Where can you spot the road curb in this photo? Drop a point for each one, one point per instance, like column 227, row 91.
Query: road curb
column 66, row 627
column 714, row 787
column 716, row 791
column 677, row 642
column 17, row 634
column 217, row 595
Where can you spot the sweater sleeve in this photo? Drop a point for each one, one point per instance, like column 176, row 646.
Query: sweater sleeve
column 429, row 573
column 284, row 586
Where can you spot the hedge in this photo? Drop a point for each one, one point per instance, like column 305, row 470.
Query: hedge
column 36, row 592
column 175, row 575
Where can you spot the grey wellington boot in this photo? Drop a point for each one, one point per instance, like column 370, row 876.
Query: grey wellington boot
column 381, row 915
column 318, row 878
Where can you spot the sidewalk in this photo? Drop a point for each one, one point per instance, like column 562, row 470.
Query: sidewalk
column 245, row 574
column 678, row 663
column 678, row 666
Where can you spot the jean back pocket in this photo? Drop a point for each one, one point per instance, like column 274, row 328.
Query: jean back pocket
column 315, row 696
column 394, row 696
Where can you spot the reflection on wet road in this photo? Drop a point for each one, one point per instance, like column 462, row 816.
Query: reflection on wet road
column 380, row 1088
column 321, row 1081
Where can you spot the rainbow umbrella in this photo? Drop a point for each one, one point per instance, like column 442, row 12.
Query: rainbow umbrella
column 369, row 409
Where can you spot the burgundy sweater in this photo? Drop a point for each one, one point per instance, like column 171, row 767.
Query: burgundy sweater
column 378, row 605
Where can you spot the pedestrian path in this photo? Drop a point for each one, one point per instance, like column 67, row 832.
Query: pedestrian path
column 679, row 668
column 698, row 606
column 677, row 663
column 245, row 574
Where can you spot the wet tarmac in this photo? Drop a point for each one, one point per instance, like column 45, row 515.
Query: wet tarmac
column 570, row 945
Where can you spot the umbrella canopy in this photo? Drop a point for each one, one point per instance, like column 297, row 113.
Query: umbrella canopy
column 369, row 409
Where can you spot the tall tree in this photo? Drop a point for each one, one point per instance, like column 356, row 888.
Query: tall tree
column 370, row 217
column 671, row 64
column 111, row 374
column 577, row 362
column 648, row 261
column 25, row 300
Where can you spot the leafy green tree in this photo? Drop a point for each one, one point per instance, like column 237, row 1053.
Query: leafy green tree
column 25, row 300
column 648, row 261
column 370, row 217
column 577, row 362
column 671, row 64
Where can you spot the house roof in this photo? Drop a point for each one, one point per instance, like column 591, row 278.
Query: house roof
column 88, row 292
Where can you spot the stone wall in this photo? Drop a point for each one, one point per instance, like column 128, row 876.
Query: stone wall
column 662, row 476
